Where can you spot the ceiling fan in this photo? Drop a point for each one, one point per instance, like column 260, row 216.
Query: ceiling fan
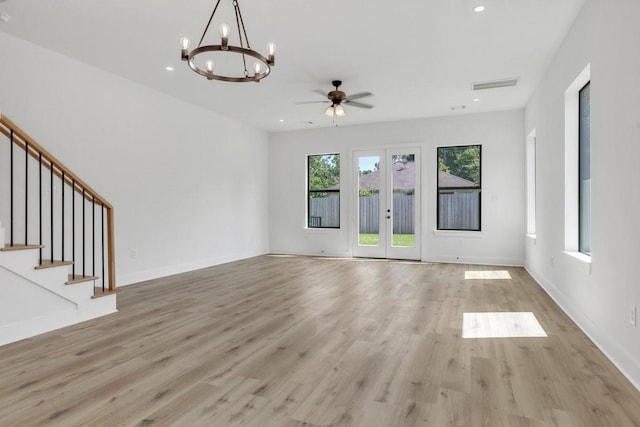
column 337, row 98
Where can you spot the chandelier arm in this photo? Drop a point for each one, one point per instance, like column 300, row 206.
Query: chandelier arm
column 239, row 22
column 244, row 30
column 208, row 23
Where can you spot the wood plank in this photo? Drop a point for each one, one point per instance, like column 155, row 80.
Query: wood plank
column 47, row 263
column 80, row 279
column 301, row 341
column 20, row 247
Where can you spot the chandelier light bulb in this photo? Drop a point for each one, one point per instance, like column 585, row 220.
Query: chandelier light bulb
column 210, row 65
column 224, row 35
column 271, row 52
column 184, row 45
column 257, row 67
column 224, row 30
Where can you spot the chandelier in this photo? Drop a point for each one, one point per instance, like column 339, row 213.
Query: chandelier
column 200, row 59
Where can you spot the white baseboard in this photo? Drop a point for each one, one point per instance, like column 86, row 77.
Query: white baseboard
column 507, row 262
column 626, row 363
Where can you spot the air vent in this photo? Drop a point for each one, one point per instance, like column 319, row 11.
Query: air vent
column 494, row 84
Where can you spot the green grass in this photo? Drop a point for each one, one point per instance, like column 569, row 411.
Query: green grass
column 406, row 240
column 370, row 239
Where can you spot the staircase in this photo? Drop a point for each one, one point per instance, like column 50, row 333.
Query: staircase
column 56, row 242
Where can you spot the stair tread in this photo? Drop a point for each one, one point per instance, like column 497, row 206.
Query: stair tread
column 98, row 293
column 20, row 247
column 46, row 263
column 80, row 279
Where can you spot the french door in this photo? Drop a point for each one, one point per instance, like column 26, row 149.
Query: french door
column 387, row 201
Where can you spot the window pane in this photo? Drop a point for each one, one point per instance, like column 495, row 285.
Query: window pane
column 459, row 190
column 324, row 210
column 404, row 188
column 368, row 201
column 323, row 191
column 324, row 172
column 459, row 210
column 585, row 169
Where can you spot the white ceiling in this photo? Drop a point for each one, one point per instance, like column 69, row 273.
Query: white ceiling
column 418, row 57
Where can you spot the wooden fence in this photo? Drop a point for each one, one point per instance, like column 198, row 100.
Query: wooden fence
column 327, row 209
column 403, row 214
column 457, row 211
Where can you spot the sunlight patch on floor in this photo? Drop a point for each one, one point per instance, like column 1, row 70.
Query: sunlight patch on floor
column 501, row 325
column 487, row 274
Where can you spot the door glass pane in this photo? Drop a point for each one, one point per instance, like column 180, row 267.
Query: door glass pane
column 403, row 180
column 369, row 192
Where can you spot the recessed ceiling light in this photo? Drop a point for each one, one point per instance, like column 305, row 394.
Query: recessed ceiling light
column 168, row 68
column 281, row 120
column 479, row 8
column 476, row 99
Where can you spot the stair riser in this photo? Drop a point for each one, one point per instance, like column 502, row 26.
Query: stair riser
column 53, row 279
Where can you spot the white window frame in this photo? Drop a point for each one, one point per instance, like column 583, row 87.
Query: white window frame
column 571, row 166
column 531, row 184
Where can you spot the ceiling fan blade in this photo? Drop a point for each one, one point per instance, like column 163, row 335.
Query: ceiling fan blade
column 359, row 95
column 321, row 92
column 313, row 102
column 358, row 104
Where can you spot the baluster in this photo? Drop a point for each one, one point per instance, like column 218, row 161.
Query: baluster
column 51, row 204
column 102, row 223
column 93, row 235
column 26, row 192
column 73, row 228
column 62, row 214
column 40, row 206
column 84, row 255
column 11, row 197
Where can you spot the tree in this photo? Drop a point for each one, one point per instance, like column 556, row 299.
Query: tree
column 461, row 161
column 324, row 172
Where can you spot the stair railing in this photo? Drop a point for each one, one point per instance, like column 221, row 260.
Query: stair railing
column 59, row 173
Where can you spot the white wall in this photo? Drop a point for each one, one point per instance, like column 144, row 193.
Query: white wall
column 598, row 298
column 501, row 136
column 189, row 187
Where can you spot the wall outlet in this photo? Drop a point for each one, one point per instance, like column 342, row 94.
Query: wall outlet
column 632, row 315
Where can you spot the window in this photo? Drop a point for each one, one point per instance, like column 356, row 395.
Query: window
column 323, row 197
column 531, row 183
column 584, row 169
column 459, row 171
column 577, row 167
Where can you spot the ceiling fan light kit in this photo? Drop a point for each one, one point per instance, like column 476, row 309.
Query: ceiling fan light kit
column 335, row 111
column 261, row 67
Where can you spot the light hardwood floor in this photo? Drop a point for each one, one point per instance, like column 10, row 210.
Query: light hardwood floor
column 298, row 341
